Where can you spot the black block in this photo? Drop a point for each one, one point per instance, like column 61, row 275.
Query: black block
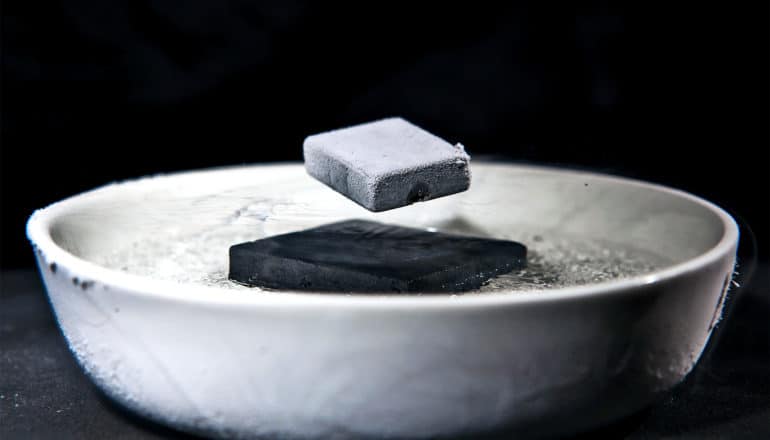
column 364, row 256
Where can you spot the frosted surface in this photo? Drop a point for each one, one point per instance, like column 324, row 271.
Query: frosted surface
column 579, row 228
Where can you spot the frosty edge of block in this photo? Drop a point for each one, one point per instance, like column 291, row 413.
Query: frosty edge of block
column 387, row 164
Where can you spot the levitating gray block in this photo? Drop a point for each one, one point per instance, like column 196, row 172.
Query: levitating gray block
column 365, row 256
column 387, row 164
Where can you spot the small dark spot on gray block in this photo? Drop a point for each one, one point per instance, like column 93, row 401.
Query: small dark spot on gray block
column 387, row 164
column 418, row 193
column 85, row 285
column 53, row 267
column 75, row 281
column 365, row 256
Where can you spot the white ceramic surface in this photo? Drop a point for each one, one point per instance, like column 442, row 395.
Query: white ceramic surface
column 248, row 364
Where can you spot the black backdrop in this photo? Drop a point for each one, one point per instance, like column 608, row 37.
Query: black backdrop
column 97, row 91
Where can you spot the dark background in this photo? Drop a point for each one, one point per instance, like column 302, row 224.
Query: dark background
column 97, row 91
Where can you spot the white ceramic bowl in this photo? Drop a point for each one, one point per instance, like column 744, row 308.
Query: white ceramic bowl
column 248, row 364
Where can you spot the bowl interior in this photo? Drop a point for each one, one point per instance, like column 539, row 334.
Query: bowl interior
column 163, row 223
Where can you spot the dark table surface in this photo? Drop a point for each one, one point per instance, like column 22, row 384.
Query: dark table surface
column 44, row 394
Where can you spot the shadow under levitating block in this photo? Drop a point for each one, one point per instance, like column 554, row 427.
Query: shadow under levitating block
column 364, row 256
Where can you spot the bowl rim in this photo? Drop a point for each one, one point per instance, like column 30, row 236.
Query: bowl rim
column 38, row 230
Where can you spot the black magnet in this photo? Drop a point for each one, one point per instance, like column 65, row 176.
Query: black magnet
column 365, row 256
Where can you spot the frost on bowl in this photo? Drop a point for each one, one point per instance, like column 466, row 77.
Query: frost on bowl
column 553, row 262
column 571, row 348
column 182, row 232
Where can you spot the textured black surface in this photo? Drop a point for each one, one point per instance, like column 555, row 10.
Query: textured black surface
column 365, row 256
column 44, row 394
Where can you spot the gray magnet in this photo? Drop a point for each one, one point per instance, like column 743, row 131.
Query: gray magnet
column 387, row 164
